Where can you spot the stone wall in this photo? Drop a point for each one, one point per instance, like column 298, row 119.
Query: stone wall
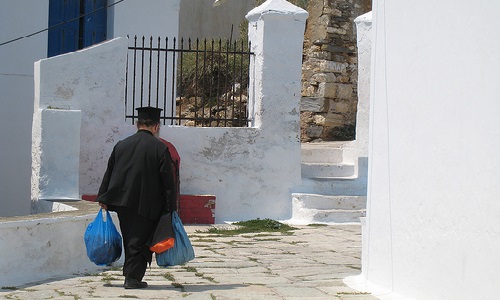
column 329, row 70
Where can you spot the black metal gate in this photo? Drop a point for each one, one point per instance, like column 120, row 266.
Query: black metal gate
column 198, row 84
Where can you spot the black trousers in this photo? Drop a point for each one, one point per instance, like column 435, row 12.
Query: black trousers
column 136, row 232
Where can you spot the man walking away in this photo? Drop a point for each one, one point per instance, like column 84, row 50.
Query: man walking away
column 139, row 186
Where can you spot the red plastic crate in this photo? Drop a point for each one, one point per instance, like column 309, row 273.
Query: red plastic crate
column 89, row 197
column 197, row 209
column 193, row 209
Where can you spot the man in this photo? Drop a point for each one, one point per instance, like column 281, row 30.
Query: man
column 139, row 186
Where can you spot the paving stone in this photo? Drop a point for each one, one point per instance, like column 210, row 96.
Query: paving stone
column 290, row 291
column 309, row 264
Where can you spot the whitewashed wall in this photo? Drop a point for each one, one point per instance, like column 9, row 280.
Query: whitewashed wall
column 55, row 155
column 18, row 19
column 195, row 15
column 92, row 81
column 50, row 247
column 249, row 170
column 364, row 43
column 432, row 221
column 356, row 151
column 156, row 18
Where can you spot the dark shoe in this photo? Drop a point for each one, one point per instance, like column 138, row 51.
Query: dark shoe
column 132, row 283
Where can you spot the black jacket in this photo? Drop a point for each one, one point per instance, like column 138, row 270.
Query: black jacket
column 140, row 176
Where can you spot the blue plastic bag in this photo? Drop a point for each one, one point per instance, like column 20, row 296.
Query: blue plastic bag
column 102, row 240
column 182, row 252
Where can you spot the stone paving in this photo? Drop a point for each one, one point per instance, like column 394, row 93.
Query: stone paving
column 309, row 263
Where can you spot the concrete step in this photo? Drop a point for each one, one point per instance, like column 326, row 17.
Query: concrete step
column 333, row 186
column 318, row 201
column 327, row 170
column 322, row 152
column 315, row 208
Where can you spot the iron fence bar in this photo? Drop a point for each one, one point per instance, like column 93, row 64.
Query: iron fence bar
column 196, row 79
column 234, row 82
column 228, row 45
column 142, row 72
column 241, row 87
column 165, row 84
column 212, row 72
column 185, row 50
column 158, row 72
column 204, row 80
column 248, row 80
column 180, row 75
column 193, row 118
column 150, row 63
column 135, row 73
column 126, row 86
column 218, row 85
column 172, row 104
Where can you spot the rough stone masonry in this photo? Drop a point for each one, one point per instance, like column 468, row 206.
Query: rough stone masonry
column 329, row 70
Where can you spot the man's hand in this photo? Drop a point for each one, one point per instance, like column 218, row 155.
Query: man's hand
column 102, row 205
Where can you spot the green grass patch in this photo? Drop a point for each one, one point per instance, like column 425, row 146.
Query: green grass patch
column 198, row 274
column 211, row 279
column 231, row 243
column 263, row 235
column 169, row 277
column 86, row 281
column 202, row 240
column 12, row 288
column 245, row 244
column 190, row 269
column 317, row 225
column 178, row 286
column 215, row 251
column 269, row 240
column 107, row 278
column 254, row 226
column 61, row 293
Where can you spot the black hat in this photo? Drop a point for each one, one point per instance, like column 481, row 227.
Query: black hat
column 149, row 113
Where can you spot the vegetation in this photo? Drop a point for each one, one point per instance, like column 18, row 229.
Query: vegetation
column 210, row 72
column 343, row 133
column 316, row 225
column 211, row 68
column 199, row 274
column 254, row 226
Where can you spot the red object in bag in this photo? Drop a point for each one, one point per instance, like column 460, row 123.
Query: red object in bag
column 163, row 237
column 163, row 245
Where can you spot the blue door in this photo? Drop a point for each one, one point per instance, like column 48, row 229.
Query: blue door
column 94, row 24
column 63, row 38
column 88, row 25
